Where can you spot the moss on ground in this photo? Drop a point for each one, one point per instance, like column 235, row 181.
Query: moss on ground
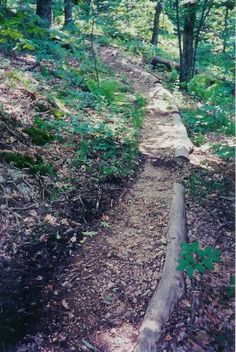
column 38, row 136
column 25, row 161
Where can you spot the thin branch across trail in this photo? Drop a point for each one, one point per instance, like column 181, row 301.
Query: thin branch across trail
column 92, row 44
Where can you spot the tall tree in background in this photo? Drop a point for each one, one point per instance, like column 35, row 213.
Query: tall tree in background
column 186, row 72
column 3, row 3
column 44, row 10
column 193, row 14
column 229, row 6
column 156, row 22
column 68, row 11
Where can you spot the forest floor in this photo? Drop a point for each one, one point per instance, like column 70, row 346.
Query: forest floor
column 92, row 297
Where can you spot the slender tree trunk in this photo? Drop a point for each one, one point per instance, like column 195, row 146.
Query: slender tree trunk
column 179, row 33
column 156, row 22
column 68, row 11
column 87, row 7
column 3, row 3
column 205, row 12
column 225, row 29
column 44, row 10
column 186, row 71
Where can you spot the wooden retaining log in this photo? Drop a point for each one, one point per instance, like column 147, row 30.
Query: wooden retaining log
column 184, row 146
column 171, row 287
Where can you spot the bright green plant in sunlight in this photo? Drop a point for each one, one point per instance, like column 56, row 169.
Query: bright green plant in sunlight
column 193, row 258
column 224, row 151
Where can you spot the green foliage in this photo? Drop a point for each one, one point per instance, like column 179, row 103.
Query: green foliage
column 224, row 151
column 215, row 115
column 193, row 258
column 198, row 139
column 109, row 90
column 105, row 224
column 230, row 289
column 140, row 101
column 17, row 30
column 25, row 161
column 201, row 185
column 208, row 118
column 102, row 154
column 38, row 136
column 210, row 89
column 87, row 235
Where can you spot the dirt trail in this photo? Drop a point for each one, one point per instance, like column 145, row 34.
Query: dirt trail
column 114, row 277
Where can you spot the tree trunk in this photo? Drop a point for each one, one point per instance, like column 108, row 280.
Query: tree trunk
column 205, row 12
column 68, row 8
column 87, row 7
column 225, row 29
column 3, row 3
column 156, row 22
column 44, row 10
column 186, row 70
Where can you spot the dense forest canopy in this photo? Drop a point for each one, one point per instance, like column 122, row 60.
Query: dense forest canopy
column 205, row 23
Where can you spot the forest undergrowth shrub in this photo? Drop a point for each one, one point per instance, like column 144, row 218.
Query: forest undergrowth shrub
column 105, row 130
column 25, row 161
column 224, row 151
column 215, row 110
column 110, row 90
column 17, row 30
column 200, row 185
column 193, row 258
column 101, row 151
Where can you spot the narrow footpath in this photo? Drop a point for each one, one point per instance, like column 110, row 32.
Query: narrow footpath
column 113, row 277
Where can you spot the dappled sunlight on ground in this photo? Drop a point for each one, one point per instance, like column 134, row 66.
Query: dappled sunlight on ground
column 119, row 339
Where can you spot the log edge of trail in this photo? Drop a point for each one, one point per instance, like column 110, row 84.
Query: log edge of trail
column 184, row 145
column 171, row 287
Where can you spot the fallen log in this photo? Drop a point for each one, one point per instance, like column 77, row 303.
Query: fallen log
column 171, row 287
column 170, row 64
column 184, row 146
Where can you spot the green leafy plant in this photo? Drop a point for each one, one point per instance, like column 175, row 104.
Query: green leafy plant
column 230, row 289
column 110, row 90
column 88, row 234
column 224, row 151
column 105, row 224
column 38, row 136
column 25, row 161
column 198, row 139
column 194, row 258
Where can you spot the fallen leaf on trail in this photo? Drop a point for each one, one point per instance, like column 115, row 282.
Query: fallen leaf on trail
column 33, row 213
column 186, row 303
column 107, row 299
column 105, row 217
column 202, row 337
column 50, row 219
column 49, row 287
column 11, row 139
column 196, row 347
column 65, row 304
column 29, row 221
column 64, row 222
column 44, row 238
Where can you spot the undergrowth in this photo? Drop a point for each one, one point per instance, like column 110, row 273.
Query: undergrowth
column 80, row 101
